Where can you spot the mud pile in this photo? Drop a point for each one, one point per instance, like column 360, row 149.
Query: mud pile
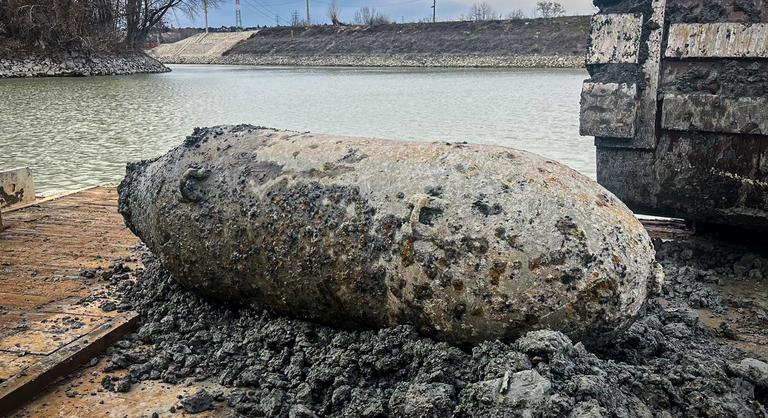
column 668, row 362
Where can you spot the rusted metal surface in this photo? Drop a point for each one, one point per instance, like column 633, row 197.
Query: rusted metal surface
column 16, row 187
column 465, row 242
column 45, row 331
column 703, row 157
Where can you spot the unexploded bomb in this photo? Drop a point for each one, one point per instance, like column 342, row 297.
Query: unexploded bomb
column 465, row 242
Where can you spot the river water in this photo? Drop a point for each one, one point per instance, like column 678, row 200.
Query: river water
column 78, row 132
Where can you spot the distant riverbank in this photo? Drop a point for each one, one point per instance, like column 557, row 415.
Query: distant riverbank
column 24, row 64
column 476, row 61
column 525, row 43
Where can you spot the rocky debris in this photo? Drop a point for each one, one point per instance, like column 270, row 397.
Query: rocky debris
column 74, row 64
column 465, row 242
column 199, row 402
column 391, row 60
column 666, row 364
column 120, row 385
column 754, row 370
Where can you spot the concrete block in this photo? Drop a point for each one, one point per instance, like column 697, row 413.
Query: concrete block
column 718, row 40
column 712, row 113
column 615, row 39
column 16, row 187
column 608, row 110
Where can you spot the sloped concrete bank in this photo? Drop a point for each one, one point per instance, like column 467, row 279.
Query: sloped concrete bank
column 78, row 65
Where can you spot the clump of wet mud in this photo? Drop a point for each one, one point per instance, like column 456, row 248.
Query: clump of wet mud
column 667, row 362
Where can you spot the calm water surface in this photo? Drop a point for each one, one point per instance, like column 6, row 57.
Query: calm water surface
column 77, row 132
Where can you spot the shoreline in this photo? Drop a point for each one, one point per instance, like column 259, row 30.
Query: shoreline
column 32, row 65
column 388, row 61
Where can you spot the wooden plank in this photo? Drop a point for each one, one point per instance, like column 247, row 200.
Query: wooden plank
column 16, row 187
column 667, row 228
column 20, row 388
column 45, row 245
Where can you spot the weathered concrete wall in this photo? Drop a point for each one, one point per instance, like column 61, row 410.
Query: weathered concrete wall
column 717, row 40
column 609, row 109
column 466, row 242
column 16, row 187
column 701, row 121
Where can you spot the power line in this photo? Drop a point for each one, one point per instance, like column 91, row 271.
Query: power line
column 262, row 11
column 355, row 6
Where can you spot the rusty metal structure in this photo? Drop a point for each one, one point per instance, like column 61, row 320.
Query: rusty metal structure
column 678, row 105
column 467, row 243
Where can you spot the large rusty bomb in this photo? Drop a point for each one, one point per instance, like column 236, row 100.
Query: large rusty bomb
column 465, row 242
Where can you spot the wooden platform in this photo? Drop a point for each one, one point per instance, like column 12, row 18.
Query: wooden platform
column 45, row 332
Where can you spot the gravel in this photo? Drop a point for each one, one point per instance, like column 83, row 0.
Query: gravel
column 667, row 364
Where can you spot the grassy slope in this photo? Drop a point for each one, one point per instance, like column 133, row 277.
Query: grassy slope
column 560, row 36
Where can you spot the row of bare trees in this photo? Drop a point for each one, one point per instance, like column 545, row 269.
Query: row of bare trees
column 483, row 11
column 478, row 12
column 86, row 24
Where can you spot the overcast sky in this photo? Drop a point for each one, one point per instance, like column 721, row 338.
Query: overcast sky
column 267, row 12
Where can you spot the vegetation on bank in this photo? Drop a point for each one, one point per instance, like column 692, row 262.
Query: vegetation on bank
column 563, row 36
column 124, row 25
column 92, row 26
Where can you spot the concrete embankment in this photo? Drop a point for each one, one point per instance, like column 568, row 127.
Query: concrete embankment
column 77, row 64
column 558, row 43
column 203, row 48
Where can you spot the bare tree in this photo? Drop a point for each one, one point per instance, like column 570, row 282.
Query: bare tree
column 87, row 25
column 59, row 24
column 333, row 14
column 370, row 16
column 142, row 15
column 549, row 9
column 516, row 15
column 480, row 12
column 296, row 20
